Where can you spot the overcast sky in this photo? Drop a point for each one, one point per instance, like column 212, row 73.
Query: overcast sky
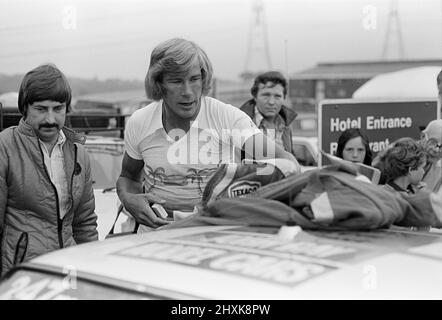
column 114, row 38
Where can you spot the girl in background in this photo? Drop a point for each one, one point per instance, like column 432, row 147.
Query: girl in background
column 354, row 146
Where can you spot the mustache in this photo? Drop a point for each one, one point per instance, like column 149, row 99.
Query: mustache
column 48, row 125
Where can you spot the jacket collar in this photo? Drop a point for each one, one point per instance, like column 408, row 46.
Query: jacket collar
column 71, row 135
column 287, row 114
column 398, row 188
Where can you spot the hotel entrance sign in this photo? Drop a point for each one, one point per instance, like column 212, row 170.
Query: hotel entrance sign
column 383, row 121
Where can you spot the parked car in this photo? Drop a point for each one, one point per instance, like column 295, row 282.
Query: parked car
column 106, row 155
column 232, row 262
column 306, row 151
column 305, row 125
column 105, row 113
column 9, row 113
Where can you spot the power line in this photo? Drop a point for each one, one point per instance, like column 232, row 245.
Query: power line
column 393, row 17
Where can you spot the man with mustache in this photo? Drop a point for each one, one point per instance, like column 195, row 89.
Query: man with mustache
column 175, row 144
column 46, row 195
column 267, row 110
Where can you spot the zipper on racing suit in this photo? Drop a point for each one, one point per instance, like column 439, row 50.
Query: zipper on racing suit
column 59, row 220
column 72, row 177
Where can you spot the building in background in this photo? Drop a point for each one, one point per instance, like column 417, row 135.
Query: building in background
column 341, row 80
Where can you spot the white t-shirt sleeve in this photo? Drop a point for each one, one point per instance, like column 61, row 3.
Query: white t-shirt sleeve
column 131, row 139
column 243, row 127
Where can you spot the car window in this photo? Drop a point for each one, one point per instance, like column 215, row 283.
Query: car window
column 303, row 155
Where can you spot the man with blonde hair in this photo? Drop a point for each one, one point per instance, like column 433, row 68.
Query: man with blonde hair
column 175, row 144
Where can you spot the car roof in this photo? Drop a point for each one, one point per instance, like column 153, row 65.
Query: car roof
column 227, row 262
column 9, row 100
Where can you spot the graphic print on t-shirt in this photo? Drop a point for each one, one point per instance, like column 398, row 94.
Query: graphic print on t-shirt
column 159, row 177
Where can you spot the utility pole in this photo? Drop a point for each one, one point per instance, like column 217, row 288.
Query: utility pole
column 287, row 76
column 393, row 22
column 258, row 53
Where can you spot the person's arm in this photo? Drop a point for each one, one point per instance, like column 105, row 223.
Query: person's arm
column 130, row 192
column 254, row 143
column 260, row 147
column 84, row 224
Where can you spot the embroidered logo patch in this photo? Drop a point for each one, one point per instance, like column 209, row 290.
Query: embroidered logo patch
column 242, row 188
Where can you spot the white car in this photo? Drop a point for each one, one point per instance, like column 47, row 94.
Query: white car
column 306, row 151
column 106, row 155
column 235, row 262
column 305, row 124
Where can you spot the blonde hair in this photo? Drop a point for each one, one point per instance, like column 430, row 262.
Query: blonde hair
column 176, row 57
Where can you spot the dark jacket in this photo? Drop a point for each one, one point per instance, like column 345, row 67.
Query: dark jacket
column 286, row 114
column 30, row 223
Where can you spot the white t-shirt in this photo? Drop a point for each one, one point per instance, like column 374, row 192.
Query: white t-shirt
column 177, row 169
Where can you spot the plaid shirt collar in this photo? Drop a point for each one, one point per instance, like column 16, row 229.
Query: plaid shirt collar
column 279, row 122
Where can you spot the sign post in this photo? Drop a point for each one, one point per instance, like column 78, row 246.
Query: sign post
column 383, row 121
